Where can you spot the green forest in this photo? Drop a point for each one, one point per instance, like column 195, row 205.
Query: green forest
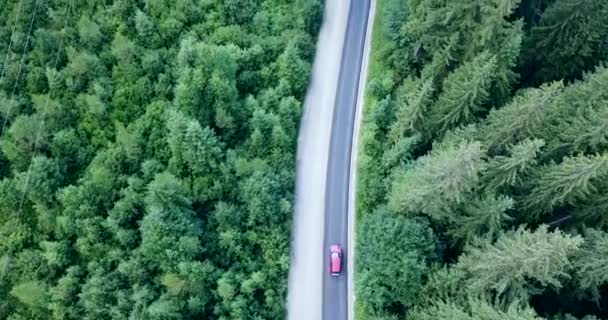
column 147, row 156
column 483, row 168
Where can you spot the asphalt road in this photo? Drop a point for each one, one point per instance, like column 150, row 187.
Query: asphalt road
column 335, row 289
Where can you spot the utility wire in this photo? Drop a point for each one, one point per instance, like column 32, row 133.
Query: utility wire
column 44, row 111
column 27, row 42
column 10, row 44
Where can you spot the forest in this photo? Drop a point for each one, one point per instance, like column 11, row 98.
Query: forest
column 147, row 156
column 483, row 172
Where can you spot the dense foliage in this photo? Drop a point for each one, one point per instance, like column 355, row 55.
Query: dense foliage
column 148, row 156
column 483, row 189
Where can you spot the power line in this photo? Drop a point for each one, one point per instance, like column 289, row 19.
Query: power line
column 27, row 42
column 10, row 44
column 44, row 110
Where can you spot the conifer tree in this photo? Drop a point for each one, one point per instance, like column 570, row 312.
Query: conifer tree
column 414, row 100
column 480, row 217
column 437, row 182
column 570, row 39
column 521, row 263
column 465, row 91
column 474, row 309
column 591, row 264
column 523, row 118
column 503, row 172
column 582, row 126
column 480, row 24
column 571, row 182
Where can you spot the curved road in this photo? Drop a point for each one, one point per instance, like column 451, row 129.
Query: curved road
column 335, row 289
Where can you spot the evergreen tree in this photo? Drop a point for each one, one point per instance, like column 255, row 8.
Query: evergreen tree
column 465, row 91
column 579, row 29
column 480, row 217
column 504, row 172
column 413, row 103
column 573, row 181
column 524, row 117
column 170, row 229
column 436, row 182
column 521, row 263
column 591, row 264
column 474, row 309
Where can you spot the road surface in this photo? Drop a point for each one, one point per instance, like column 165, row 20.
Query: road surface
column 304, row 298
column 336, row 289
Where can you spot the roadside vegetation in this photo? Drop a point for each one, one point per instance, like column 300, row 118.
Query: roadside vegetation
column 483, row 171
column 147, row 156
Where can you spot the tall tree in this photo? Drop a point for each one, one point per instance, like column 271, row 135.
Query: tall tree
column 390, row 242
column 437, row 182
column 573, row 181
column 521, row 263
column 579, row 29
column 474, row 310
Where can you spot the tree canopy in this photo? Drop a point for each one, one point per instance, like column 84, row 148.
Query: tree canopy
column 486, row 120
column 147, row 156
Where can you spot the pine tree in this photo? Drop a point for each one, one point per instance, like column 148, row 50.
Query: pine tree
column 437, row 182
column 571, row 182
column 465, row 92
column 474, row 309
column 503, row 172
column 570, row 39
column 591, row 264
column 482, row 25
column 480, row 217
column 525, row 117
column 521, row 263
column 413, row 102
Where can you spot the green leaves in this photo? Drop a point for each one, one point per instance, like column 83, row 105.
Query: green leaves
column 394, row 255
column 462, row 138
column 33, row 294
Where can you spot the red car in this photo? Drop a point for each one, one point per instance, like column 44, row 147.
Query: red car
column 335, row 260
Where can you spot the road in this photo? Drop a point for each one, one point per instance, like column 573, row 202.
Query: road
column 304, row 298
column 336, row 289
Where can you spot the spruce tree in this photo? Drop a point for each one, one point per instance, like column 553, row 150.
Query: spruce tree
column 437, row 182
column 570, row 39
column 483, row 216
column 591, row 264
column 473, row 309
column 414, row 100
column 465, row 93
column 521, row 263
column 503, row 172
column 571, row 182
column 525, row 117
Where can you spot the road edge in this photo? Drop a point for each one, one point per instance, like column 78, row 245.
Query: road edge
column 352, row 187
column 304, row 289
